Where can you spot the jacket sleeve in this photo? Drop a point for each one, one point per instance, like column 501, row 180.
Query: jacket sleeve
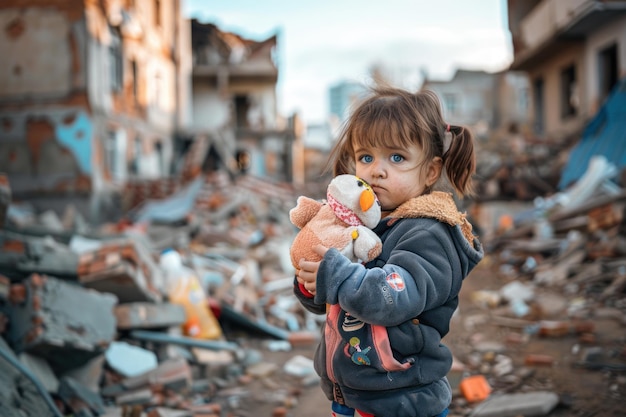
column 307, row 300
column 417, row 276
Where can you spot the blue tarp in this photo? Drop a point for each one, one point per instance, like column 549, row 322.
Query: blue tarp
column 173, row 208
column 604, row 135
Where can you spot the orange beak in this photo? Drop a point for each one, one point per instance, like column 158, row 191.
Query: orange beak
column 367, row 199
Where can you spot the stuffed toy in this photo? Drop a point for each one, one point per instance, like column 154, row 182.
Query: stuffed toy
column 344, row 221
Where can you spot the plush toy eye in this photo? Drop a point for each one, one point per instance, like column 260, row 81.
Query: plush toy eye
column 362, row 183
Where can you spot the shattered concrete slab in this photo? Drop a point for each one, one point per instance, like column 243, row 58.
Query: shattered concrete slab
column 149, row 315
column 124, row 269
column 529, row 404
column 81, row 400
column 20, row 392
column 22, row 255
column 171, row 376
column 121, row 279
column 59, row 321
column 40, row 369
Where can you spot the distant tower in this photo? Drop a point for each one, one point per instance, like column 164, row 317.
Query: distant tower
column 343, row 96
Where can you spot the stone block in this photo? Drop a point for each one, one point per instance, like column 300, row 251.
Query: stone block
column 61, row 322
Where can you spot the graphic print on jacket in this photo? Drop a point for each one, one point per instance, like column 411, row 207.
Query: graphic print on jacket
column 365, row 345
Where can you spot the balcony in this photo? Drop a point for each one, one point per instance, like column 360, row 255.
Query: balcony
column 553, row 24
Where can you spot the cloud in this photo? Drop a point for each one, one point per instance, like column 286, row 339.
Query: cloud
column 309, row 73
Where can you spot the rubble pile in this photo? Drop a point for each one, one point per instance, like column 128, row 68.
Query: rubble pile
column 542, row 332
column 95, row 322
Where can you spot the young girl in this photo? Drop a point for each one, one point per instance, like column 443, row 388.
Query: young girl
column 381, row 353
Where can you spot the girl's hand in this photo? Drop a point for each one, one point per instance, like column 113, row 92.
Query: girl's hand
column 307, row 272
column 320, row 250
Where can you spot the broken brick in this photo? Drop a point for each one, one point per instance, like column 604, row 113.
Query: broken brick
column 61, row 322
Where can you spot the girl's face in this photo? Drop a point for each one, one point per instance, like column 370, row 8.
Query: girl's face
column 395, row 174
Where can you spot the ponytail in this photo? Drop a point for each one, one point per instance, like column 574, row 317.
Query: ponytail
column 460, row 160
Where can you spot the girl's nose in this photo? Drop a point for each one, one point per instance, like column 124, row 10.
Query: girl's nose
column 378, row 170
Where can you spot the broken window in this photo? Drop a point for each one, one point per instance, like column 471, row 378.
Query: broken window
column 242, row 104
column 522, row 100
column 134, row 166
column 607, row 70
column 116, row 63
column 451, row 103
column 569, row 92
column 157, row 13
column 243, row 160
column 158, row 146
column 135, row 71
column 115, row 150
column 157, row 91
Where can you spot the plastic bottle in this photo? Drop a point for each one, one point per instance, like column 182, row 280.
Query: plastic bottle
column 184, row 288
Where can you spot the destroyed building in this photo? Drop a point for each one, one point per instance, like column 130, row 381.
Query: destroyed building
column 104, row 100
column 573, row 53
column 235, row 103
column 90, row 97
column 573, row 56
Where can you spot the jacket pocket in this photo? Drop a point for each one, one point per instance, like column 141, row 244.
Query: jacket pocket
column 366, row 345
column 380, row 338
column 333, row 338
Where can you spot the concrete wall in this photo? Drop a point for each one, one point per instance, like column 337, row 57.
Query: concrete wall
column 66, row 125
column 614, row 33
column 210, row 110
column 467, row 99
column 32, row 37
column 550, row 71
column 556, row 34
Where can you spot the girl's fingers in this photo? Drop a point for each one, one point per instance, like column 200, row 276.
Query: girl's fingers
column 310, row 287
column 320, row 250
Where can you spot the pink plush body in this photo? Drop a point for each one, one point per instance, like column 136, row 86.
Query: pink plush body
column 319, row 225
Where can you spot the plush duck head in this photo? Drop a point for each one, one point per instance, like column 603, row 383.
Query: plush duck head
column 343, row 222
column 353, row 201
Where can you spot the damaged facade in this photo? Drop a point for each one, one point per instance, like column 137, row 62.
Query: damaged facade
column 574, row 53
column 101, row 102
column 235, row 117
column 89, row 96
column 483, row 101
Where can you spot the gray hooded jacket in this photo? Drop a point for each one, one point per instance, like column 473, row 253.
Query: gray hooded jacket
column 382, row 351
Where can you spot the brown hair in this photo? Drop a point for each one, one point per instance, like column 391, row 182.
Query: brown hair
column 396, row 117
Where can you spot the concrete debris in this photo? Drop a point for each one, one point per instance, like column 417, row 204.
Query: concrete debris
column 61, row 322
column 130, row 360
column 22, row 392
column 148, row 315
column 527, row 404
column 559, row 267
column 103, row 327
column 79, row 399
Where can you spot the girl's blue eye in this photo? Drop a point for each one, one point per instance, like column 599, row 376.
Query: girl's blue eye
column 397, row 158
column 367, row 159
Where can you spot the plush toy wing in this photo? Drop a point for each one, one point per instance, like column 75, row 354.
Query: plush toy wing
column 306, row 208
column 367, row 244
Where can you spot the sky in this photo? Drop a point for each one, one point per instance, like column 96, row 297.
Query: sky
column 324, row 42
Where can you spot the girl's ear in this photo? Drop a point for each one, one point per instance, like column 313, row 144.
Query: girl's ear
column 434, row 171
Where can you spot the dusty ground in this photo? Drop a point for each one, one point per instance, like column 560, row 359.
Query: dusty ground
column 583, row 392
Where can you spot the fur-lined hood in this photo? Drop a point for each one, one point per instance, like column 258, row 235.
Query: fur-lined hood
column 437, row 205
